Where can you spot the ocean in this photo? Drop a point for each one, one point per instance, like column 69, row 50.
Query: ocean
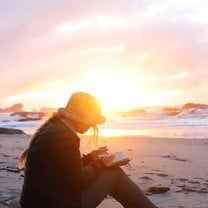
column 154, row 122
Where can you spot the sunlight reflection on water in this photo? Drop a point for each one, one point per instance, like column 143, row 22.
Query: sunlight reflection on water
column 164, row 133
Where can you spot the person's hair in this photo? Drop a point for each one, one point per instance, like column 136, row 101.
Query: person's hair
column 22, row 158
column 95, row 136
column 92, row 142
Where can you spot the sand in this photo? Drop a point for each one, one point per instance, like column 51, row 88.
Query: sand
column 180, row 164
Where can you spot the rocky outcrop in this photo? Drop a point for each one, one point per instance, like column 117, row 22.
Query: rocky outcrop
column 188, row 106
column 10, row 131
column 157, row 190
column 14, row 108
column 172, row 111
column 28, row 116
column 29, row 119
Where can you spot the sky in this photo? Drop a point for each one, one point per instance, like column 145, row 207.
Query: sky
column 128, row 53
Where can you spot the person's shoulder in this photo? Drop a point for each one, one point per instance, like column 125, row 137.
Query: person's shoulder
column 57, row 130
column 52, row 126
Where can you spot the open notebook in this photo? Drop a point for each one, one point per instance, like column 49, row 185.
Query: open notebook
column 118, row 160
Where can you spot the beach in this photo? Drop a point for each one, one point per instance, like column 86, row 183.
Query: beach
column 179, row 164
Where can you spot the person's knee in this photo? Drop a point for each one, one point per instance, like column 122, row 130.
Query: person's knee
column 115, row 171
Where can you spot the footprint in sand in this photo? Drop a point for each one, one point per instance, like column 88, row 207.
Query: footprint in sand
column 173, row 157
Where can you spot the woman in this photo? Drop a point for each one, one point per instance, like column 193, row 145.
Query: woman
column 57, row 176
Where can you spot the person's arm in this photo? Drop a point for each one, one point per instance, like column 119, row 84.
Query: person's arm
column 93, row 155
column 87, row 159
column 67, row 156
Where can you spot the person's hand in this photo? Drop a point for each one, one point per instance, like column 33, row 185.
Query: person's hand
column 107, row 159
column 95, row 153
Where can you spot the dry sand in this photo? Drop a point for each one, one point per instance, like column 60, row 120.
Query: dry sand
column 180, row 164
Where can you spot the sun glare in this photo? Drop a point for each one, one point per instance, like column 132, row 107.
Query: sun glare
column 114, row 91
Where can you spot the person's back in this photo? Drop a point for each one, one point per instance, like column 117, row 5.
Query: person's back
column 45, row 182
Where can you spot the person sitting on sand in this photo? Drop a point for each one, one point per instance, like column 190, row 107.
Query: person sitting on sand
column 57, row 176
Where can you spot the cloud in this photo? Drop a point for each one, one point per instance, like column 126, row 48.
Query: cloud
column 43, row 41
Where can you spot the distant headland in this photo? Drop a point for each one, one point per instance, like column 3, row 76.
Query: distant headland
column 18, row 107
column 14, row 108
column 17, row 110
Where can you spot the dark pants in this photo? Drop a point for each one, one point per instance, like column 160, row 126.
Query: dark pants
column 115, row 182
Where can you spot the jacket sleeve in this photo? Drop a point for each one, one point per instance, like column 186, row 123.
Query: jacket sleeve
column 68, row 159
column 86, row 159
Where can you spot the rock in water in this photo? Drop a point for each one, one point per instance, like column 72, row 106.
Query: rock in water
column 10, row 131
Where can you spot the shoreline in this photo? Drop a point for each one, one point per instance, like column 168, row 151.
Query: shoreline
column 180, row 164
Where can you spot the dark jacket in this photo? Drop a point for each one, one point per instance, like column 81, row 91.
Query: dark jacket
column 54, row 171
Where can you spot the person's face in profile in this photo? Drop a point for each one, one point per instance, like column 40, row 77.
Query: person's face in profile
column 82, row 127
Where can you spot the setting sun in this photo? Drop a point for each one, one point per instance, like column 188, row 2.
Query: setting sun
column 114, row 91
column 125, row 60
